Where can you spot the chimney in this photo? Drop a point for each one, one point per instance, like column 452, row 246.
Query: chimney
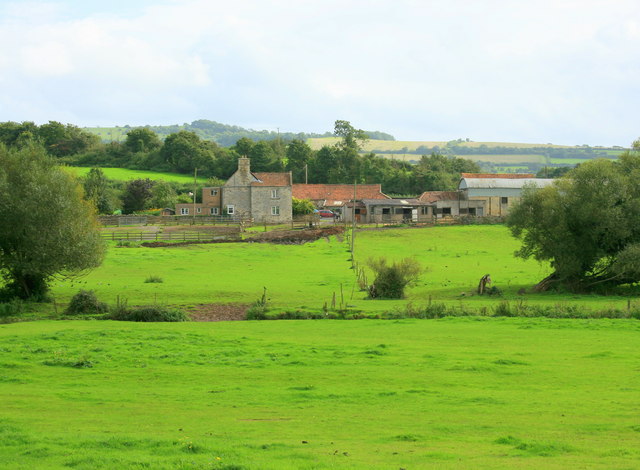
column 244, row 169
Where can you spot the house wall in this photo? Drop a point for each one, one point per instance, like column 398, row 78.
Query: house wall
column 210, row 200
column 262, row 202
column 493, row 205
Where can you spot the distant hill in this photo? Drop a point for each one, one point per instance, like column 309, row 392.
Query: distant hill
column 223, row 134
column 502, row 157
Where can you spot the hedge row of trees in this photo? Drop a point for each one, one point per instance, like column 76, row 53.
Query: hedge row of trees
column 184, row 151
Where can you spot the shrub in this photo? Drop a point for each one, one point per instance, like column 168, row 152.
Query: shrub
column 153, row 280
column 259, row 309
column 85, row 302
column 11, row 308
column 391, row 279
column 152, row 313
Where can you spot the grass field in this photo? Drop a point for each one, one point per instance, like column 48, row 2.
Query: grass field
column 118, row 134
column 123, row 174
column 307, row 276
column 492, row 158
column 450, row 394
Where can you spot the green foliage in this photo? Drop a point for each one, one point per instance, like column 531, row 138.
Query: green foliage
column 85, row 302
column 151, row 313
column 98, row 190
column 142, row 140
column 152, row 279
column 13, row 307
column 302, row 206
column 137, row 195
column 392, row 279
column 47, row 228
column 585, row 225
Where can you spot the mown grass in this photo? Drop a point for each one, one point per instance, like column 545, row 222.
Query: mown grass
column 123, row 174
column 450, row 393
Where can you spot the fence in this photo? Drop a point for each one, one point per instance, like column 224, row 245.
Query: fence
column 168, row 236
column 121, row 220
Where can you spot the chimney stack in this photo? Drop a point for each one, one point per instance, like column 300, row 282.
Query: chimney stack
column 244, row 168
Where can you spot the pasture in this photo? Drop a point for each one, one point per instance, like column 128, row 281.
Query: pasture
column 451, row 393
column 400, row 145
column 124, row 174
column 307, row 276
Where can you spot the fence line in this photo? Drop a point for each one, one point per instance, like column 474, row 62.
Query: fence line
column 157, row 236
column 121, row 220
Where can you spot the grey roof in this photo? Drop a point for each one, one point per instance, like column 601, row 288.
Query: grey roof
column 395, row 202
column 515, row 183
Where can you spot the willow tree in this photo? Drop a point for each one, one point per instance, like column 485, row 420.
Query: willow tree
column 586, row 225
column 47, row 229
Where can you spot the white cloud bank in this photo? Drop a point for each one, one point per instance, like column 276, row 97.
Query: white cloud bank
column 546, row 71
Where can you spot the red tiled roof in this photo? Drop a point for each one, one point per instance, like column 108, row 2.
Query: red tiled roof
column 498, row 175
column 272, row 179
column 433, row 196
column 337, row 192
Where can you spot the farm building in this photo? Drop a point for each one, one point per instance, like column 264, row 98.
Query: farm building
column 497, row 191
column 263, row 197
column 452, row 204
column 335, row 196
column 387, row 210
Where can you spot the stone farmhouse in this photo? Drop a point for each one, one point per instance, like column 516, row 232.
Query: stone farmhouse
column 263, row 197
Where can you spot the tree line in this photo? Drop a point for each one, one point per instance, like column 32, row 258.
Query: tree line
column 184, row 152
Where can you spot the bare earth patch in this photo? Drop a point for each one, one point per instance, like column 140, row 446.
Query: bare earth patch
column 218, row 312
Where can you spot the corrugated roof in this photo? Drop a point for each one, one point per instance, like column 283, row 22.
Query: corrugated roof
column 337, row 194
column 485, row 183
column 434, row 196
column 394, row 202
column 498, row 175
column 272, row 179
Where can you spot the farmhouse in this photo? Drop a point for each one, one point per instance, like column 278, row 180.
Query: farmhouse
column 497, row 191
column 335, row 196
column 263, row 197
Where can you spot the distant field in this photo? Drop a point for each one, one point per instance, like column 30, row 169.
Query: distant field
column 123, row 174
column 399, row 145
column 492, row 158
column 118, row 134
column 568, row 161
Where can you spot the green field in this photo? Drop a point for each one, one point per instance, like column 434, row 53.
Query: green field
column 108, row 134
column 123, row 174
column 450, row 394
column 307, row 276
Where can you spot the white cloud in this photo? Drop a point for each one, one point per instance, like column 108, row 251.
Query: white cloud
column 498, row 70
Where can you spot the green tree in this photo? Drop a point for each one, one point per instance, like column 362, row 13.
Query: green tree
column 142, row 140
column 137, row 195
column 97, row 190
column 163, row 195
column 298, row 155
column 61, row 140
column 585, row 225
column 47, row 228
column 302, row 206
column 184, row 151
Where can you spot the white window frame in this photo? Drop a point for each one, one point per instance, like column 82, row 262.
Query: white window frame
column 275, row 210
column 214, row 211
column 184, row 211
column 214, row 192
column 198, row 210
column 231, row 209
column 274, row 194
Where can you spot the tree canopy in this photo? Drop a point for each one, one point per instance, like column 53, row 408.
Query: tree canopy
column 47, row 228
column 586, row 224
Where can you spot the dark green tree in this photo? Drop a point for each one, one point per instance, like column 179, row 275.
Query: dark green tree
column 585, row 225
column 142, row 140
column 137, row 195
column 47, row 228
column 298, row 155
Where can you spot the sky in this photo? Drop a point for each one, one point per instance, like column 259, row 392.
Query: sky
column 559, row 71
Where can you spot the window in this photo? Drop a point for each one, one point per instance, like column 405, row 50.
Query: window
column 199, row 210
column 446, row 211
column 504, row 200
column 357, row 211
column 275, row 210
column 274, row 193
column 424, row 210
column 184, row 211
column 214, row 192
column 386, row 210
column 231, row 209
column 214, row 211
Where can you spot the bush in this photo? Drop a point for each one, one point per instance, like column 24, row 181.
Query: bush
column 11, row 308
column 391, row 280
column 152, row 313
column 153, row 280
column 85, row 302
